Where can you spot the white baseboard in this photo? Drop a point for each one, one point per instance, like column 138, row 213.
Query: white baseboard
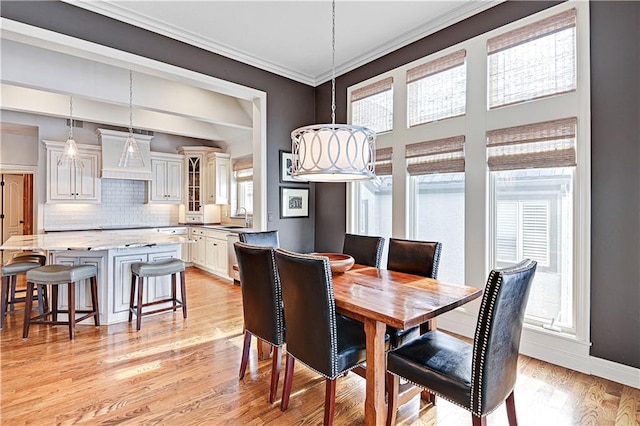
column 629, row 376
column 551, row 347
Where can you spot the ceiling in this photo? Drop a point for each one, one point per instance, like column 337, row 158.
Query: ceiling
column 293, row 38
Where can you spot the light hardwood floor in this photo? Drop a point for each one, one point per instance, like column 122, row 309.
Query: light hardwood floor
column 185, row 372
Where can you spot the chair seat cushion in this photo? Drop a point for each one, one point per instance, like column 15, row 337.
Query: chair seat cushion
column 29, row 257
column 59, row 274
column 14, row 268
column 438, row 362
column 351, row 343
column 157, row 269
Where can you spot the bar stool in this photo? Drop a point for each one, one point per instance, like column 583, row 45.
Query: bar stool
column 19, row 265
column 142, row 270
column 54, row 275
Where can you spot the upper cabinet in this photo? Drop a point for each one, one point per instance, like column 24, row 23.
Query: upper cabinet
column 73, row 184
column 166, row 178
column 201, row 180
column 218, row 173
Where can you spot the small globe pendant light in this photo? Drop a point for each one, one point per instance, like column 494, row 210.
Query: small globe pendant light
column 130, row 156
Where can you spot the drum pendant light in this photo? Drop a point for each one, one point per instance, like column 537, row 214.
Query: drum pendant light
column 333, row 152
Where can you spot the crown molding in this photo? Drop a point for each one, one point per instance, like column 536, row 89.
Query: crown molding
column 123, row 14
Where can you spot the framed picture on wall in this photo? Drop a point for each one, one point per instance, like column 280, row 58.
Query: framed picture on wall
column 294, row 202
column 286, row 165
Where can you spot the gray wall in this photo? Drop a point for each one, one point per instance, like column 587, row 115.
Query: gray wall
column 289, row 104
column 615, row 109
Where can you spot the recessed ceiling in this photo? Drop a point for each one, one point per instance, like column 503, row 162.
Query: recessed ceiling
column 293, row 38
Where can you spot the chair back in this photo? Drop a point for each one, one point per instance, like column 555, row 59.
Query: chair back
column 265, row 238
column 364, row 249
column 414, row 257
column 261, row 294
column 497, row 339
column 309, row 310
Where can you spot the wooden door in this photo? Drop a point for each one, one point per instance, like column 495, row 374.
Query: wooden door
column 12, row 208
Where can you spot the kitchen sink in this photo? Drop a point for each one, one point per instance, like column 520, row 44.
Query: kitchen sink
column 232, row 227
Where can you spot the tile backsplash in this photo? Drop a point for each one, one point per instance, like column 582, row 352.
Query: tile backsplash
column 123, row 204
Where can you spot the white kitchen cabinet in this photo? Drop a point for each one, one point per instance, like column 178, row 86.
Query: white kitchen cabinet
column 198, row 248
column 166, row 178
column 180, row 230
column 219, row 176
column 216, row 255
column 73, row 184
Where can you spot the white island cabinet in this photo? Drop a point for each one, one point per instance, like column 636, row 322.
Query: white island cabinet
column 113, row 254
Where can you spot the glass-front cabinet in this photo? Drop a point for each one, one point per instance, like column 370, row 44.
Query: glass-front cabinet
column 197, row 180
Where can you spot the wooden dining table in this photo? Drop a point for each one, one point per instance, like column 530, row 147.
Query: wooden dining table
column 378, row 297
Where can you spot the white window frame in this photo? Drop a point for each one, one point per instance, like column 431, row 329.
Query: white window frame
column 571, row 350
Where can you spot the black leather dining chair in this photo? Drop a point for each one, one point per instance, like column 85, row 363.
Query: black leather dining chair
column 417, row 258
column 364, row 249
column 263, row 238
column 478, row 376
column 328, row 343
column 261, row 305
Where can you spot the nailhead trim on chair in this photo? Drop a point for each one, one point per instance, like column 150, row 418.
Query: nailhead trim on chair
column 332, row 307
column 379, row 251
column 280, row 327
column 436, row 261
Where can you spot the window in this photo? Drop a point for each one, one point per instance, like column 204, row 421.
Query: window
column 243, row 181
column 532, row 168
column 437, row 195
column 533, row 61
column 372, row 106
column 437, row 89
column 374, row 201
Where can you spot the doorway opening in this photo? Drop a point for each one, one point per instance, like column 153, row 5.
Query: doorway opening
column 16, row 207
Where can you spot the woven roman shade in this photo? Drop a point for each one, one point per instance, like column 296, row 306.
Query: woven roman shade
column 452, row 60
column 539, row 145
column 372, row 89
column 550, row 25
column 243, row 169
column 534, row 61
column 436, row 156
column 383, row 161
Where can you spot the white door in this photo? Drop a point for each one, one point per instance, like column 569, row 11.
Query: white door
column 13, row 205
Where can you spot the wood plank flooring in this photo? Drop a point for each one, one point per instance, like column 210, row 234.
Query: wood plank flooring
column 185, row 372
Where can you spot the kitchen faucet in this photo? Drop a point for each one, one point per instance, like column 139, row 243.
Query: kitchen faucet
column 246, row 217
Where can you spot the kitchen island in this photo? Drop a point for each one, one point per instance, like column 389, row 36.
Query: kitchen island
column 112, row 253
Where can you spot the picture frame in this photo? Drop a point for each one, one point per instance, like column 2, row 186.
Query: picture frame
column 294, row 202
column 286, row 161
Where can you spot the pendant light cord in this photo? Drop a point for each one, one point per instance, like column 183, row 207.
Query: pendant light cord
column 70, row 117
column 130, row 103
column 333, row 62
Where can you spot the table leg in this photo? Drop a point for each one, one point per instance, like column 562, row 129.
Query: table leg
column 374, row 405
column 264, row 350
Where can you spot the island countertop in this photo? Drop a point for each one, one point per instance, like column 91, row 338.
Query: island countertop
column 91, row 240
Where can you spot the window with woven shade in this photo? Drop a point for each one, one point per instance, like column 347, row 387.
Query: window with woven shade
column 437, row 186
column 243, row 178
column 534, row 61
column 437, row 89
column 372, row 106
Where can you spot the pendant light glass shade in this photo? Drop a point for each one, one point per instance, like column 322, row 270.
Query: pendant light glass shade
column 70, row 156
column 333, row 152
column 130, row 156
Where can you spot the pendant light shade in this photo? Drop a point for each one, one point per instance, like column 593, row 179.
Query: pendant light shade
column 333, row 152
column 70, row 156
column 130, row 156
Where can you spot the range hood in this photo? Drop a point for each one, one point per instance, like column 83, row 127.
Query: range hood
column 112, row 142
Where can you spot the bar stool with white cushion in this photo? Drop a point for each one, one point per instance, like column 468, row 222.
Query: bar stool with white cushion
column 18, row 265
column 142, row 270
column 55, row 275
